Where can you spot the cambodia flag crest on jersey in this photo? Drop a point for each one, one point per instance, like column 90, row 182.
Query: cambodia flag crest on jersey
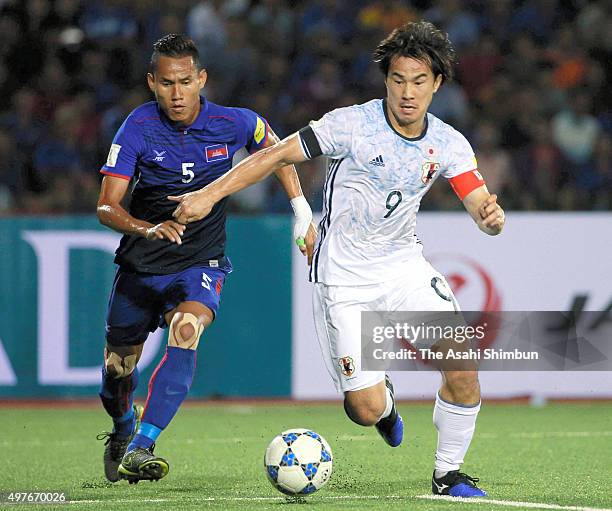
column 216, row 152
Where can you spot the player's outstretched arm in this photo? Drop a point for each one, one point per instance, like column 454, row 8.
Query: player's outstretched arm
column 304, row 230
column 112, row 214
column 196, row 205
column 483, row 208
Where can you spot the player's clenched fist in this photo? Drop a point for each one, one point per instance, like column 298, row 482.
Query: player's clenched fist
column 307, row 245
column 192, row 206
column 169, row 230
column 492, row 214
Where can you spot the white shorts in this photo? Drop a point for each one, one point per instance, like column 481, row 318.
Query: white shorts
column 337, row 317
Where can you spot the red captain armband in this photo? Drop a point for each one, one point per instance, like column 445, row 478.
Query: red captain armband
column 464, row 183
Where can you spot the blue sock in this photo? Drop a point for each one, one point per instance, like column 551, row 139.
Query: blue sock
column 168, row 387
column 117, row 395
column 145, row 437
column 124, row 426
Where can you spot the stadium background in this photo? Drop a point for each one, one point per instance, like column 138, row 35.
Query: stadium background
column 531, row 94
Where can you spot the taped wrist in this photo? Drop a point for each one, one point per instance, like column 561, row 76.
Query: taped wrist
column 303, row 217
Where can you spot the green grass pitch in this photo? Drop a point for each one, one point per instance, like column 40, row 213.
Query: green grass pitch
column 559, row 455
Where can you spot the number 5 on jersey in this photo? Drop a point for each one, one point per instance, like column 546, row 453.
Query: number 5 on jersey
column 187, row 172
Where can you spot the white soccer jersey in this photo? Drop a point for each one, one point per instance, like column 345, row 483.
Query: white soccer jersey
column 375, row 181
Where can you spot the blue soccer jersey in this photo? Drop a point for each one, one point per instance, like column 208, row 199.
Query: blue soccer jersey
column 163, row 158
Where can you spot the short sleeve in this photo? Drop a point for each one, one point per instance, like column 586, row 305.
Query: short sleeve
column 255, row 129
column 462, row 168
column 332, row 134
column 461, row 157
column 124, row 151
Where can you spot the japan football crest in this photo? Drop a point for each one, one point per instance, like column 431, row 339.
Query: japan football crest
column 428, row 170
column 346, row 366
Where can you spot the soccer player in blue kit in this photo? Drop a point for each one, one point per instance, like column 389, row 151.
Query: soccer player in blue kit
column 169, row 274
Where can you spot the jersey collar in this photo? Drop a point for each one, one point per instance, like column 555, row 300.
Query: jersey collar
column 413, row 139
column 198, row 124
column 202, row 117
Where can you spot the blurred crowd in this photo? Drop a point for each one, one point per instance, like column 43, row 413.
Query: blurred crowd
column 531, row 91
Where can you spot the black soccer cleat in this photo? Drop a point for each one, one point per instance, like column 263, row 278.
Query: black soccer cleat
column 115, row 447
column 391, row 428
column 456, row 484
column 142, row 465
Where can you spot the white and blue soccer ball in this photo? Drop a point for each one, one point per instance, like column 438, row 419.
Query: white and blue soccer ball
column 298, row 462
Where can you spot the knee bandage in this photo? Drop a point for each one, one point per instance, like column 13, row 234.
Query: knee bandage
column 176, row 338
column 118, row 366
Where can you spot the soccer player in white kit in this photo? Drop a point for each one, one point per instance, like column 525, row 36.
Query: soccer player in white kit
column 383, row 157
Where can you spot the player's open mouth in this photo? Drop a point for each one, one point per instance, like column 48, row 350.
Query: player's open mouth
column 408, row 108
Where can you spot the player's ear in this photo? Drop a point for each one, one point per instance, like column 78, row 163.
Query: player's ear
column 151, row 81
column 437, row 83
column 202, row 77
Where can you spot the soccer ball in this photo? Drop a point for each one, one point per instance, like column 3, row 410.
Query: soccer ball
column 298, row 462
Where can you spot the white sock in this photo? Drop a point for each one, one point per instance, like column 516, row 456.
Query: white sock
column 455, row 425
column 389, row 405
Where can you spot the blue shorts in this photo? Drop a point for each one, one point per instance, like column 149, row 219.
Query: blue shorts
column 139, row 301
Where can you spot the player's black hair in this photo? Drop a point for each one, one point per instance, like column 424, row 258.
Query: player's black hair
column 175, row 46
column 420, row 40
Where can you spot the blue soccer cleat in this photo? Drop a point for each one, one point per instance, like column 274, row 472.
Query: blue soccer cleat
column 456, row 484
column 391, row 428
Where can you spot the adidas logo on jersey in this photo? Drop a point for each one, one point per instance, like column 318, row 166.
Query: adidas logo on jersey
column 378, row 161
